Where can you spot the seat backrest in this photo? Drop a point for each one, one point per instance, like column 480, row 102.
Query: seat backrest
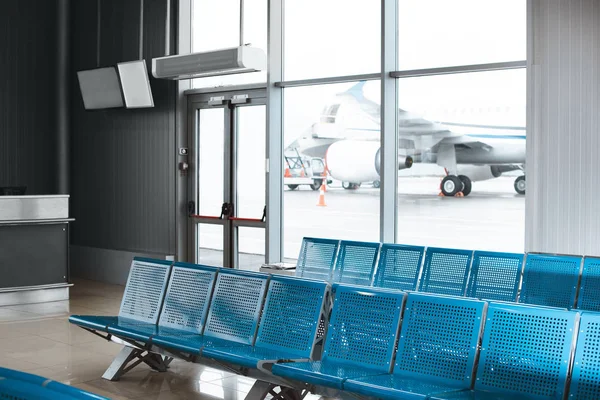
column 145, row 290
column 445, row 271
column 495, row 276
column 439, row 338
column 526, row 350
column 291, row 315
column 356, row 262
column 399, row 266
column 236, row 305
column 188, row 297
column 363, row 327
column 589, row 290
column 550, row 280
column 317, row 258
column 585, row 378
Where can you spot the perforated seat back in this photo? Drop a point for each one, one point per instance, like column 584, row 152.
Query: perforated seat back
column 445, row 271
column 439, row 337
column 585, row 379
column 363, row 327
column 356, row 262
column 495, row 276
column 188, row 296
column 399, row 266
column 550, row 280
column 589, row 292
column 291, row 315
column 236, row 305
column 145, row 290
column 317, row 258
column 526, row 350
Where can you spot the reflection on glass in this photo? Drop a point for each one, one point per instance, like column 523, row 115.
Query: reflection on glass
column 476, row 120
column 340, row 124
column 210, row 244
column 251, row 248
column 441, row 33
column 211, row 149
column 216, row 25
column 331, row 38
column 251, row 156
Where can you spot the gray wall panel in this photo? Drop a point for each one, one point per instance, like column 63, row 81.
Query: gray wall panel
column 123, row 161
column 27, row 133
column 563, row 127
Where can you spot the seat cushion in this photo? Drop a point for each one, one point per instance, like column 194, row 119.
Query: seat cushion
column 390, row 386
column 247, row 356
column 133, row 330
column 99, row 323
column 322, row 373
column 482, row 395
column 176, row 339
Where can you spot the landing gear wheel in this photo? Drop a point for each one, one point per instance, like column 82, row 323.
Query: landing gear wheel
column 451, row 185
column 316, row 185
column 350, row 185
column 520, row 185
column 467, row 185
column 292, row 187
column 376, row 184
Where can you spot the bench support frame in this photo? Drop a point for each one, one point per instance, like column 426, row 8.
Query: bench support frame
column 130, row 357
column 261, row 389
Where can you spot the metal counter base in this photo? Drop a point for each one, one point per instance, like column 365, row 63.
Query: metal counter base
column 34, row 294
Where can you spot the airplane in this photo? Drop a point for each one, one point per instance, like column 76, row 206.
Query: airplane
column 347, row 137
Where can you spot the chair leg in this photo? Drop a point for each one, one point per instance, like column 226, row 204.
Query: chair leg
column 130, row 357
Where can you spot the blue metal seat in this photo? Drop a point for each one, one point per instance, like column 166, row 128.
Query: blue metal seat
column 356, row 262
column 445, row 271
column 360, row 339
column 317, row 258
column 399, row 266
column 495, row 276
column 585, row 378
column 436, row 351
column 232, row 315
column 525, row 353
column 288, row 326
column 589, row 290
column 141, row 302
column 550, row 280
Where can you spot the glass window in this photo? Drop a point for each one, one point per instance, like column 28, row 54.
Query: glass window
column 349, row 144
column 331, row 38
column 216, row 25
column 441, row 33
column 481, row 118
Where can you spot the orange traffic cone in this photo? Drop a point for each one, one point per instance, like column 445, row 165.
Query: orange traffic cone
column 287, row 173
column 321, row 202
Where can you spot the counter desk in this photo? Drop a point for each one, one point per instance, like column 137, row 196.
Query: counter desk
column 34, row 249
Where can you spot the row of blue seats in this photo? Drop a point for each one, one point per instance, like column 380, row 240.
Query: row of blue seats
column 541, row 279
column 21, row 385
column 380, row 343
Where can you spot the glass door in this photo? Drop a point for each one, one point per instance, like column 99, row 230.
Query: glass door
column 229, row 147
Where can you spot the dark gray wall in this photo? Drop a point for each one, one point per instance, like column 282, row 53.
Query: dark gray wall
column 27, row 92
column 123, row 165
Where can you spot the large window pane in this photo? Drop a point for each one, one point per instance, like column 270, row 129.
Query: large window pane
column 482, row 117
column 342, row 121
column 216, row 25
column 441, row 33
column 331, row 38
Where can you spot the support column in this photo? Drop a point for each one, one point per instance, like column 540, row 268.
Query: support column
column 274, row 163
column 63, row 101
column 389, row 122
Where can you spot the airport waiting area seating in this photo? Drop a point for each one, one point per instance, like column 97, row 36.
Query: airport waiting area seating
column 19, row 385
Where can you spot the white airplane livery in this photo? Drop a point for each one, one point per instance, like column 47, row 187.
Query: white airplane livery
column 347, row 137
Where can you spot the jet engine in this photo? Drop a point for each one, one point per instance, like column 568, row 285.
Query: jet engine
column 358, row 161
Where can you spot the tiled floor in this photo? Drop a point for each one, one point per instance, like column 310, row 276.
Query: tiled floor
column 38, row 338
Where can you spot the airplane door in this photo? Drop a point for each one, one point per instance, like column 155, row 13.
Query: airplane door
column 228, row 176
